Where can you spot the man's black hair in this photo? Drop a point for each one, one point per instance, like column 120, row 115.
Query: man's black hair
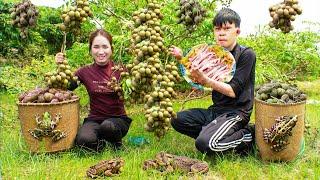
column 226, row 15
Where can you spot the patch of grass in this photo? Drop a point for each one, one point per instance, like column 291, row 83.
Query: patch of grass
column 311, row 88
column 18, row 163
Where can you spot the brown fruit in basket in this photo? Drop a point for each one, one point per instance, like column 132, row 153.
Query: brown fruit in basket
column 67, row 95
column 74, row 97
column 41, row 99
column 31, row 97
column 59, row 96
column 52, row 90
column 21, row 96
column 54, row 100
column 48, row 97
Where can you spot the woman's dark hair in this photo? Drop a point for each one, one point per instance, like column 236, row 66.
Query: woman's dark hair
column 100, row 32
column 226, row 15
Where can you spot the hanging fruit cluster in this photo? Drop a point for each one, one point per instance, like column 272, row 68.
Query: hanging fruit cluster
column 190, row 13
column 283, row 13
column 73, row 16
column 46, row 95
column 280, row 93
column 150, row 81
column 115, row 83
column 62, row 77
column 24, row 15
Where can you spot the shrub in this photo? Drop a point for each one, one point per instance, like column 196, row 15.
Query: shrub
column 285, row 56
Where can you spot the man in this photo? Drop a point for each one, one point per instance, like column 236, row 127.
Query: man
column 224, row 125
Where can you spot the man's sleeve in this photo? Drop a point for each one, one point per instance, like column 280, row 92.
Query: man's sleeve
column 243, row 71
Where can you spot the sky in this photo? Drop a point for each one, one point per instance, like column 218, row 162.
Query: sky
column 49, row 3
column 254, row 13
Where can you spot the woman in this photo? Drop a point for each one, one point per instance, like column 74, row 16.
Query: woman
column 107, row 120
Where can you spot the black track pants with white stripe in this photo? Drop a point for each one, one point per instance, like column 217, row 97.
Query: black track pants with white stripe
column 214, row 132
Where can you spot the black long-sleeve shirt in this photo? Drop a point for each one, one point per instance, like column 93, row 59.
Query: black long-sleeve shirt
column 242, row 84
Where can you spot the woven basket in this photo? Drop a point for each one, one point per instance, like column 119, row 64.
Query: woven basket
column 265, row 117
column 69, row 123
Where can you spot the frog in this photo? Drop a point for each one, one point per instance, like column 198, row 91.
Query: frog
column 277, row 136
column 106, row 168
column 46, row 125
column 166, row 163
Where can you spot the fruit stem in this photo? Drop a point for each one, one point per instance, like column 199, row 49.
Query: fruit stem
column 63, row 47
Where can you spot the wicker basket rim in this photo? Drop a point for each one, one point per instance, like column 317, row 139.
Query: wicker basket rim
column 274, row 104
column 48, row 104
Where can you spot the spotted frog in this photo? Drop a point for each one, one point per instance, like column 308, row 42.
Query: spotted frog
column 165, row 162
column 46, row 127
column 106, row 168
column 277, row 136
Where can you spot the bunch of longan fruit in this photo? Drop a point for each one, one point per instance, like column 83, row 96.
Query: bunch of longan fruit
column 24, row 15
column 74, row 15
column 283, row 14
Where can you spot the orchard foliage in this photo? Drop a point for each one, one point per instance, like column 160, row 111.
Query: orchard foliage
column 9, row 36
column 279, row 56
column 291, row 56
column 16, row 80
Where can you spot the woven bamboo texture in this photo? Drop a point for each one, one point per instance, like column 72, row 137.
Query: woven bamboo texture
column 265, row 117
column 69, row 123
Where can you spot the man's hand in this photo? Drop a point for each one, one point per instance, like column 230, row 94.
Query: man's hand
column 175, row 52
column 199, row 76
column 204, row 80
column 59, row 57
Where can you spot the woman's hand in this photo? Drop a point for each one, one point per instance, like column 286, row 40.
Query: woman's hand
column 176, row 52
column 59, row 57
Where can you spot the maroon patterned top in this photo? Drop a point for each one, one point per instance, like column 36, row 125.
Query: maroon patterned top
column 104, row 102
